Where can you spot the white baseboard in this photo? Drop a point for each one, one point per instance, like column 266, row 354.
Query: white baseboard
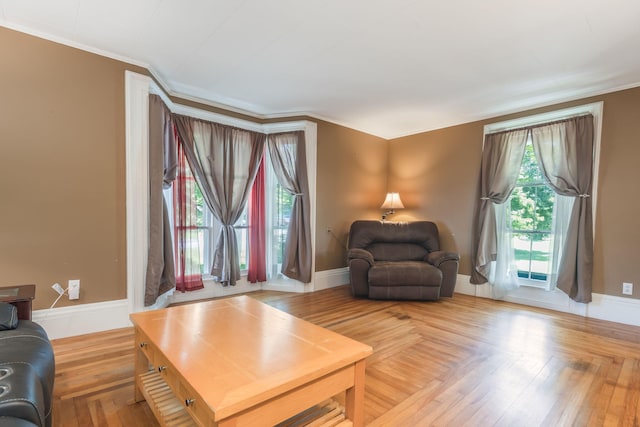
column 321, row 280
column 213, row 289
column 88, row 318
column 96, row 317
column 286, row 285
column 83, row 319
column 615, row 309
column 331, row 278
column 603, row 307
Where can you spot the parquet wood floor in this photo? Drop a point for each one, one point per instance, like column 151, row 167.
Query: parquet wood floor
column 460, row 361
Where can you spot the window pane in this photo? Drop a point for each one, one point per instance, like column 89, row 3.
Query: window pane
column 532, row 255
column 242, row 236
column 204, row 239
column 532, row 209
column 522, row 249
column 540, row 256
column 200, row 236
column 545, row 198
column 199, row 212
column 529, row 170
column 277, row 249
column 281, row 205
column 523, row 207
column 193, row 250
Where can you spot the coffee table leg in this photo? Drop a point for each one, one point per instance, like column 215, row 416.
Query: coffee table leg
column 355, row 396
column 141, row 365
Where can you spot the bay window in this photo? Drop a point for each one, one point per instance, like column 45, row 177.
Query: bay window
column 150, row 242
column 204, row 228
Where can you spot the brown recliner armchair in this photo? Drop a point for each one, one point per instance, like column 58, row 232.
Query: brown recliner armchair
column 394, row 260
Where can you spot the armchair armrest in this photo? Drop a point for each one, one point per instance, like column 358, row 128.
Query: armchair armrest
column 447, row 262
column 360, row 261
column 357, row 253
column 438, row 257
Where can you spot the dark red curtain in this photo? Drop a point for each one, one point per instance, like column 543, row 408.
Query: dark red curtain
column 257, row 263
column 188, row 234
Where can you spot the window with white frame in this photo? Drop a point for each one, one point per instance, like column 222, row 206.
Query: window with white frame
column 532, row 210
column 137, row 90
column 530, row 222
column 278, row 205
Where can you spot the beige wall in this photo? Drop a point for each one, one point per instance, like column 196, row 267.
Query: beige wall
column 351, row 183
column 437, row 173
column 62, row 179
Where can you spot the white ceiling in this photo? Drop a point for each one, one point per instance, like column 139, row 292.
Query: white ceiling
column 387, row 67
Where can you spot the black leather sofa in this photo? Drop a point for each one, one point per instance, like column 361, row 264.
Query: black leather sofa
column 27, row 370
column 400, row 260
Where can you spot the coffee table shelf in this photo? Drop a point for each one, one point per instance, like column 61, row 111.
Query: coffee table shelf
column 326, row 414
column 169, row 411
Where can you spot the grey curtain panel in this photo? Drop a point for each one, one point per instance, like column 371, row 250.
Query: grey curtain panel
column 565, row 154
column 160, row 276
column 564, row 151
column 224, row 161
column 501, row 158
column 289, row 159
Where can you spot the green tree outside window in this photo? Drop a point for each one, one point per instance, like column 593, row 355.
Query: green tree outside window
column 531, row 219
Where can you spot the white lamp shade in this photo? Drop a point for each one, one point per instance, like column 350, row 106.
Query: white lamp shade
column 392, row 201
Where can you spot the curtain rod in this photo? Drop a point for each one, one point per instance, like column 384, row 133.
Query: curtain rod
column 537, row 125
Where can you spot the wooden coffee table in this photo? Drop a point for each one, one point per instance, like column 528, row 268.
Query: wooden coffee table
column 239, row 362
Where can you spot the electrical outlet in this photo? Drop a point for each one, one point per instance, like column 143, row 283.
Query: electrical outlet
column 56, row 287
column 74, row 289
column 627, row 288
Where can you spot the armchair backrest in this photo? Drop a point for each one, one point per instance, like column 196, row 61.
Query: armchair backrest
column 395, row 241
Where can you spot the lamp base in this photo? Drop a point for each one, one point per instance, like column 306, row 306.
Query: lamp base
column 387, row 213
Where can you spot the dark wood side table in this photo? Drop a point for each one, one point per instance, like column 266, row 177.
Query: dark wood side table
column 20, row 296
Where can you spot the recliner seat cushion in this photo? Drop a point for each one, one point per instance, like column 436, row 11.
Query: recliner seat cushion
column 404, row 273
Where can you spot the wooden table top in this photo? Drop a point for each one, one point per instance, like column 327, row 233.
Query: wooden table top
column 238, row 352
column 17, row 293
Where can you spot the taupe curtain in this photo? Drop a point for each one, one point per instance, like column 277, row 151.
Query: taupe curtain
column 501, row 159
column 564, row 151
column 224, row 161
column 565, row 154
column 160, row 276
column 289, row 159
